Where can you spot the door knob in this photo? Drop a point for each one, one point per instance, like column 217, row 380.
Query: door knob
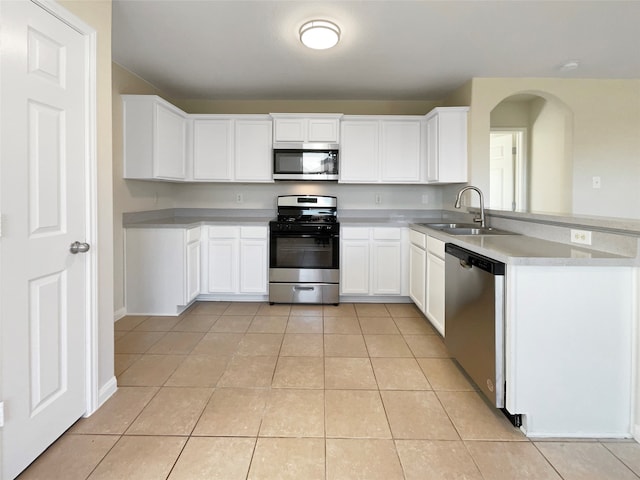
column 77, row 247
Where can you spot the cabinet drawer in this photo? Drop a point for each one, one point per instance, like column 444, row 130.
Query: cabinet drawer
column 193, row 234
column 417, row 238
column 253, row 232
column 381, row 233
column 223, row 232
column 435, row 247
column 354, row 233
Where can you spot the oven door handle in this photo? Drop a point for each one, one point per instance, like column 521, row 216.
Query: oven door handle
column 305, row 235
column 298, row 287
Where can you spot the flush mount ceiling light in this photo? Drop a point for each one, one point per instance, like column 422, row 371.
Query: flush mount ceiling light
column 319, row 34
column 570, row 65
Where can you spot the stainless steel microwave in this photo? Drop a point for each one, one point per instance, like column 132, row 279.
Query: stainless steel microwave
column 305, row 161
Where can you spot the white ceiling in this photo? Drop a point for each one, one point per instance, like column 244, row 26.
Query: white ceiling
column 389, row 50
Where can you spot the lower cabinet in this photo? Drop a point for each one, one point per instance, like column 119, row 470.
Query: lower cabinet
column 237, row 260
column 418, row 268
column 426, row 277
column 371, row 261
column 162, row 269
column 435, row 283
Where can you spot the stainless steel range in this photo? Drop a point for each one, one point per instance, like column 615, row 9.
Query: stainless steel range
column 304, row 259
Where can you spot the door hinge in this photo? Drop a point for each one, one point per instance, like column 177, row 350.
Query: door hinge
column 514, row 150
column 1, row 414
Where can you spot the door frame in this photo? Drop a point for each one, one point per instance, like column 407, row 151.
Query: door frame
column 520, row 165
column 92, row 394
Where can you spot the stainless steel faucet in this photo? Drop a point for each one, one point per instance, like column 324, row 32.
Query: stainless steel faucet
column 479, row 219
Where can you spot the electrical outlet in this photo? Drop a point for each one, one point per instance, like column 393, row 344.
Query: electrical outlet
column 582, row 237
column 595, row 182
column 378, row 199
column 238, row 198
column 425, row 199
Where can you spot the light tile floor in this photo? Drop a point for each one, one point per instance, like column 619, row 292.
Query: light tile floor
column 252, row 391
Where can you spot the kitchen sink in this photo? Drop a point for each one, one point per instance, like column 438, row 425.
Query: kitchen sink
column 440, row 226
column 475, row 231
column 465, row 229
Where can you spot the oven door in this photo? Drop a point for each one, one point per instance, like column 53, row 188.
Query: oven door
column 304, row 257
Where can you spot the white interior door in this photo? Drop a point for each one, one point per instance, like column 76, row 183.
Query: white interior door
column 501, row 171
column 43, row 150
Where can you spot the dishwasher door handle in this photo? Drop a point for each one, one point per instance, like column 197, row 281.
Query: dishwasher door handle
column 464, row 264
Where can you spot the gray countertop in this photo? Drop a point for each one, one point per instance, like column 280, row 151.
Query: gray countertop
column 524, row 250
column 510, row 249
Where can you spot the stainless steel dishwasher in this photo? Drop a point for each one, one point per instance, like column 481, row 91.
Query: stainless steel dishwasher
column 474, row 318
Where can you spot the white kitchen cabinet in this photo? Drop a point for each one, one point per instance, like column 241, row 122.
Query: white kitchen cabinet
column 231, row 149
column 355, row 258
column 317, row 127
column 237, row 260
column 359, row 151
column 426, row 277
column 253, row 150
column 446, row 139
column 371, row 261
column 569, row 349
column 401, row 150
column 155, row 139
column 418, row 268
column 381, row 149
column 434, row 307
column 213, row 153
column 162, row 269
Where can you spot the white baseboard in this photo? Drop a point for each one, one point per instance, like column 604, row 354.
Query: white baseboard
column 118, row 314
column 107, row 390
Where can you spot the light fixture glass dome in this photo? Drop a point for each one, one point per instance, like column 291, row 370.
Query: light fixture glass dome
column 319, row 34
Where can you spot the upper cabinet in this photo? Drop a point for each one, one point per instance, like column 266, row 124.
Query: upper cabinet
column 155, row 139
column 161, row 142
column 382, row 149
column 446, row 139
column 213, row 149
column 316, row 127
column 253, row 150
column 232, row 149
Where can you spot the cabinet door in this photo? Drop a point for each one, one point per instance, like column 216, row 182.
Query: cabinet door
column 446, row 132
column 253, row 150
column 417, row 275
column 253, row 266
column 170, row 145
column 289, row 129
column 435, row 292
column 193, row 271
column 354, row 268
column 432, row 148
column 401, row 147
column 223, row 265
column 359, row 161
column 323, row 130
column 387, row 270
column 212, row 150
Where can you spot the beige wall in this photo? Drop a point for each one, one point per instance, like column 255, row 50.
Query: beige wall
column 550, row 172
column 606, row 137
column 97, row 14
